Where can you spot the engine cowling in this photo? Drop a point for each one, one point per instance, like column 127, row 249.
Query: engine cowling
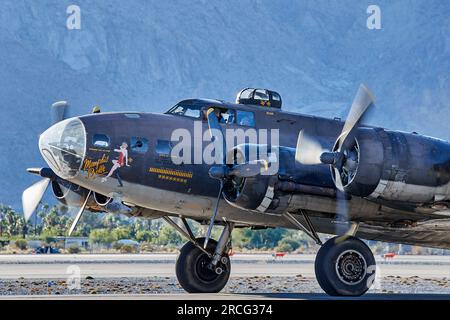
column 68, row 193
column 361, row 172
column 101, row 199
column 256, row 193
column 397, row 166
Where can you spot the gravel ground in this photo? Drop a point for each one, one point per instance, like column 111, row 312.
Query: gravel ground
column 257, row 284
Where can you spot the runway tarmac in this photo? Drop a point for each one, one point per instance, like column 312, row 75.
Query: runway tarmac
column 163, row 265
column 254, row 276
column 230, row 297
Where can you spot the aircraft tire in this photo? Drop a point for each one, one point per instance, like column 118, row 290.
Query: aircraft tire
column 192, row 272
column 345, row 267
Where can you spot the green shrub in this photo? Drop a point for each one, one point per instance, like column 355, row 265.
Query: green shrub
column 117, row 245
column 288, row 244
column 74, row 249
column 120, row 233
column 101, row 236
column 284, row 247
column 168, row 236
column 147, row 247
column 127, row 248
column 47, row 239
column 21, row 244
column 144, row 235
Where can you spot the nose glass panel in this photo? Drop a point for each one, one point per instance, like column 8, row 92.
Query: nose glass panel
column 63, row 147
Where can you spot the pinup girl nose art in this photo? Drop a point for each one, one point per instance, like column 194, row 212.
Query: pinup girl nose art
column 118, row 163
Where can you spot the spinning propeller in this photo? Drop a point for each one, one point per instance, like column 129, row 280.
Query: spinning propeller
column 33, row 195
column 344, row 157
column 308, row 149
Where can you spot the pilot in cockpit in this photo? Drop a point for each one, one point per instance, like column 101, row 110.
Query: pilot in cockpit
column 217, row 112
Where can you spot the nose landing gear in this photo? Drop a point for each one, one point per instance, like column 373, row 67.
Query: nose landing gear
column 345, row 266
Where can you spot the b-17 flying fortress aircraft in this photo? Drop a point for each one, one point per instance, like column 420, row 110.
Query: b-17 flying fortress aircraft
column 251, row 164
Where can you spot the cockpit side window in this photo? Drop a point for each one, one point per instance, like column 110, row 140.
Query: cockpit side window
column 139, row 144
column 100, row 140
column 245, row 118
column 224, row 115
column 228, row 116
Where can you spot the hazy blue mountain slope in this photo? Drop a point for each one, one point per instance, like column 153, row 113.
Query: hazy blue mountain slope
column 146, row 55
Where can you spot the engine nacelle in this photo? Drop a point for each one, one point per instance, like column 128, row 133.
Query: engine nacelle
column 398, row 166
column 101, row 199
column 68, row 193
column 256, row 193
column 111, row 205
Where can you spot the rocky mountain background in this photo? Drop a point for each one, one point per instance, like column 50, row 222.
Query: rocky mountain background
column 146, row 55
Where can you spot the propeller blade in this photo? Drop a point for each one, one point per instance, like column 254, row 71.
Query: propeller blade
column 338, row 179
column 60, row 111
column 216, row 133
column 213, row 216
column 341, row 201
column 32, row 196
column 249, row 169
column 363, row 99
column 308, row 150
column 342, row 213
column 79, row 214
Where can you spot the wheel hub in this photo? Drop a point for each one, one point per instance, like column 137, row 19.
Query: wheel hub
column 351, row 267
column 203, row 269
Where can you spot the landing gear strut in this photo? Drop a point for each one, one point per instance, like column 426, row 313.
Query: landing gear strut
column 345, row 266
column 201, row 269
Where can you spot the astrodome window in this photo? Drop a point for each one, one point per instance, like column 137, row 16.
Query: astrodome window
column 261, row 95
column 276, row 96
column 132, row 115
column 247, row 94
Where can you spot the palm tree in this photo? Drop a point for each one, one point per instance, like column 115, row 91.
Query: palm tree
column 11, row 223
column 1, row 221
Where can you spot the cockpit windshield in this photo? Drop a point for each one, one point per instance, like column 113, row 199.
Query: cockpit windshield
column 187, row 110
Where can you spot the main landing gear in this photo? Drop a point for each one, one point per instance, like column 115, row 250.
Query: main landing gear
column 345, row 266
column 202, row 269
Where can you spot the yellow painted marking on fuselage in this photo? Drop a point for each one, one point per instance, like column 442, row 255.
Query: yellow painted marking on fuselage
column 95, row 167
column 173, row 179
column 170, row 172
